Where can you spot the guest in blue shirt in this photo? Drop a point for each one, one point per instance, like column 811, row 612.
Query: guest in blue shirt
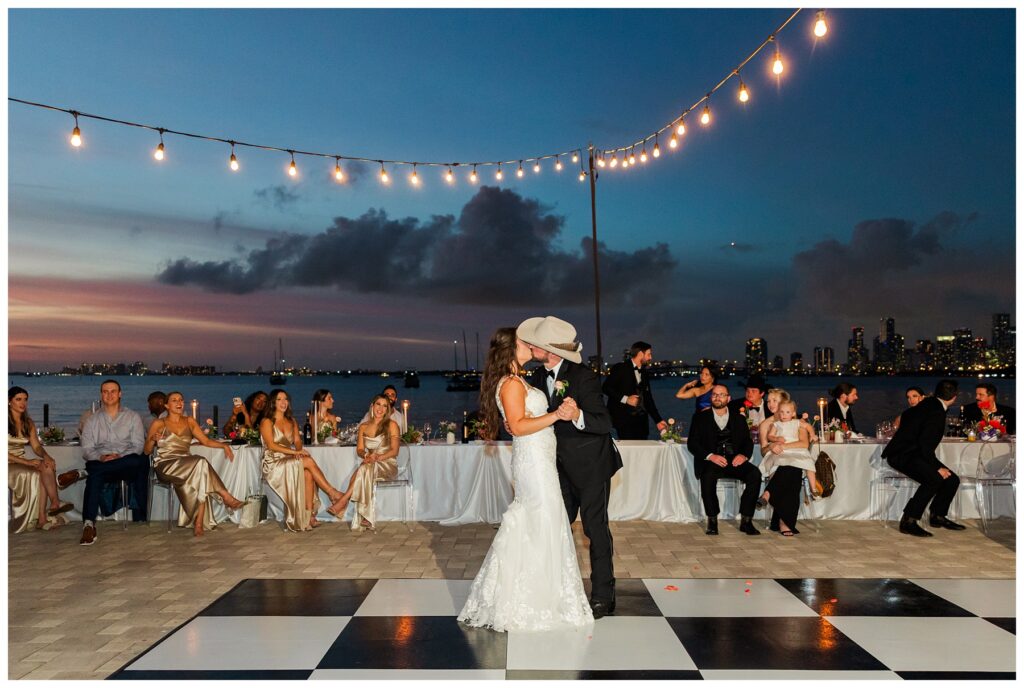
column 700, row 388
column 112, row 442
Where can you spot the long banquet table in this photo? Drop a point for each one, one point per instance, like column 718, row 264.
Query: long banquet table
column 459, row 484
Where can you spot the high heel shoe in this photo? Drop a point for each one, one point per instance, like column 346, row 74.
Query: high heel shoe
column 63, row 508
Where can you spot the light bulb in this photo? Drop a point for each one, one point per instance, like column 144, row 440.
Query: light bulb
column 643, row 155
column 414, row 177
column 383, row 175
column 558, row 164
column 615, row 161
column 681, row 127
column 777, row 66
column 583, row 175
column 600, row 161
column 536, row 167
column 472, row 176
column 498, row 175
column 292, row 170
column 673, row 142
column 744, row 95
column 657, row 151
column 632, row 158
column 519, row 172
column 159, row 152
column 233, row 163
column 450, row 177
column 338, row 173
column 705, row 117
column 575, row 157
column 820, row 27
column 76, row 137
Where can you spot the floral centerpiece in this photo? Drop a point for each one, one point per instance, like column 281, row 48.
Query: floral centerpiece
column 671, row 433
column 445, row 426
column 52, row 435
column 476, row 426
column 747, row 405
column 990, row 429
column 412, row 435
column 250, row 436
column 209, row 429
column 326, row 430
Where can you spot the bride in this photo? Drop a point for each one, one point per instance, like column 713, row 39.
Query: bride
column 530, row 580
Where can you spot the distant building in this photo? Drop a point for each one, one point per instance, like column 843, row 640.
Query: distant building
column 856, row 353
column 1003, row 340
column 796, row 362
column 778, row 365
column 945, row 352
column 757, row 355
column 963, row 348
column 824, row 359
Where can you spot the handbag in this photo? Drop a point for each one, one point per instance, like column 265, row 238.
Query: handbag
column 825, row 470
column 249, row 515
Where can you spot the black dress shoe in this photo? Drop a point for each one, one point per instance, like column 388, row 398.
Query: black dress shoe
column 908, row 526
column 712, row 526
column 602, row 608
column 943, row 522
column 747, row 526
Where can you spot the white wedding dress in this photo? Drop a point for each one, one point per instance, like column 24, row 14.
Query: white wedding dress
column 530, row 579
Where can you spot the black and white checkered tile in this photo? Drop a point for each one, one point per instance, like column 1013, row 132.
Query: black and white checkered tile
column 662, row 629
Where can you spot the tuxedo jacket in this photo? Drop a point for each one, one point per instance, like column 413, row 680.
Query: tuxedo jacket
column 588, row 455
column 921, row 430
column 972, row 414
column 833, row 411
column 703, row 439
column 621, row 382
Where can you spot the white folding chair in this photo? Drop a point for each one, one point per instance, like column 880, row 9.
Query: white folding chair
column 403, row 480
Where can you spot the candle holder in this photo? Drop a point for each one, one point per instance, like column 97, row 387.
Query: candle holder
column 195, row 410
column 822, row 403
column 405, row 414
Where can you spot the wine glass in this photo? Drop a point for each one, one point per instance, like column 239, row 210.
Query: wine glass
column 426, row 431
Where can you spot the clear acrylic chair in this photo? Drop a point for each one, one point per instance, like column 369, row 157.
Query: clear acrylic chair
column 155, row 484
column 886, row 477
column 995, row 467
column 403, row 480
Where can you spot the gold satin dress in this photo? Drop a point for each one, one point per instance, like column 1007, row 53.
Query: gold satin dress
column 26, row 488
column 366, row 475
column 192, row 476
column 285, row 475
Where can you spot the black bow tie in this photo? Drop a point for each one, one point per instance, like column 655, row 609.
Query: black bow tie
column 550, row 373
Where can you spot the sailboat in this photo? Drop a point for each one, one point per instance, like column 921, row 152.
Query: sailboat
column 277, row 377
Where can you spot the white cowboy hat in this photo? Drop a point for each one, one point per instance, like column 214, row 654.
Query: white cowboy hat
column 553, row 335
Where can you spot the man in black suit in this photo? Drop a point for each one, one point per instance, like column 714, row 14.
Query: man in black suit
column 985, row 407
column 721, row 446
column 753, row 404
column 630, row 402
column 911, row 451
column 844, row 396
column 586, row 456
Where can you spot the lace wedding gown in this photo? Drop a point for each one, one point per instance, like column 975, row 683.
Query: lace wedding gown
column 530, row 580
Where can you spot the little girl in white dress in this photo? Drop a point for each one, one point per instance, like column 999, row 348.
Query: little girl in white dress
column 786, row 429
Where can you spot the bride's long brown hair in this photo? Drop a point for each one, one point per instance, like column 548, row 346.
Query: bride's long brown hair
column 501, row 361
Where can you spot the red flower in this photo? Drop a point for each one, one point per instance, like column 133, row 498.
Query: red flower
column 983, row 424
column 984, row 404
column 844, row 427
column 233, row 434
column 996, row 424
column 748, row 403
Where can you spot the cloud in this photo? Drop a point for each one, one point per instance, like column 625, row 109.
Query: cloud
column 501, row 250
column 278, row 196
column 356, row 172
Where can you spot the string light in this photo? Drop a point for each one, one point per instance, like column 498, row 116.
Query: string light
column 820, row 27
column 632, row 157
column 472, row 176
column 575, row 158
column 536, row 167
column 383, row 174
column 338, row 174
column 705, row 117
column 498, row 175
column 583, row 175
column 673, row 142
column 233, row 161
column 292, row 169
column 519, row 172
column 450, row 177
column 615, row 161
column 414, row 177
column 744, row 95
column 159, row 152
column 643, row 154
column 76, row 133
column 657, row 151
column 777, row 65
column 558, row 163
column 600, row 161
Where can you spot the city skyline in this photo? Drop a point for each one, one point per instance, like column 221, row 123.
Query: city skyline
column 823, row 200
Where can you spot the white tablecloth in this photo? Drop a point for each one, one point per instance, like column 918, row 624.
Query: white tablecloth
column 458, row 484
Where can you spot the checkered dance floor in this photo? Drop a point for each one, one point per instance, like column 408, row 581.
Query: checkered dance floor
column 662, row 629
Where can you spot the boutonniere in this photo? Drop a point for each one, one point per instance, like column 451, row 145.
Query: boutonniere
column 561, row 386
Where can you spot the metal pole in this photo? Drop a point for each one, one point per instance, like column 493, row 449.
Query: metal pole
column 597, row 275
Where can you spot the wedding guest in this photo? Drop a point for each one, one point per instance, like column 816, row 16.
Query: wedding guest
column 157, row 403
column 289, row 469
column 773, row 399
column 786, row 458
column 325, row 399
column 914, row 397
column 112, row 447
column 630, row 402
column 753, row 403
column 31, row 481
column 985, row 407
column 721, row 447
column 844, row 396
column 195, row 481
column 700, row 388
column 911, row 451
column 377, row 446
column 391, row 394
column 246, row 414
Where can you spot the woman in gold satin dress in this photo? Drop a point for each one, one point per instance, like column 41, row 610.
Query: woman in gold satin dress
column 289, row 469
column 377, row 446
column 195, row 481
column 31, row 481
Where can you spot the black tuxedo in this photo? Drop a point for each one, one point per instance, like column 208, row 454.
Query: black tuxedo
column 630, row 422
column 971, row 413
column 706, row 438
column 833, row 411
column 736, row 404
column 911, row 451
column 586, row 459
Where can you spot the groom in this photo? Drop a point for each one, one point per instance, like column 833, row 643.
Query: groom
column 587, row 458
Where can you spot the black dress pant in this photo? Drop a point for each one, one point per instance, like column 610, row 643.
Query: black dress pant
column 934, row 488
column 132, row 468
column 746, row 471
column 785, row 487
column 590, row 502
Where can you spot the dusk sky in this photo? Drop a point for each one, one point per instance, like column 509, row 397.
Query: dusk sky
column 875, row 179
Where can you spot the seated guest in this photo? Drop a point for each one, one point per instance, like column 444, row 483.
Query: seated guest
column 911, row 451
column 112, row 447
column 985, row 407
column 391, row 394
column 786, row 458
column 157, row 402
column 630, row 402
column 844, row 396
column 195, row 481
column 753, row 404
column 700, row 388
column 325, row 399
column 914, row 397
column 31, row 481
column 721, row 447
column 377, row 446
column 246, row 414
column 289, row 469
